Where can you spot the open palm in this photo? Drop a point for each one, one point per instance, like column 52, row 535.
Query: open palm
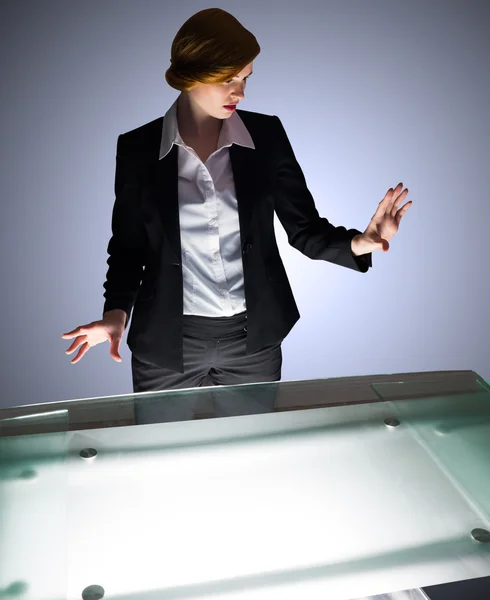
column 386, row 220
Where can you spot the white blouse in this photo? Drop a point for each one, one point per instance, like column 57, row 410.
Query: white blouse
column 209, row 227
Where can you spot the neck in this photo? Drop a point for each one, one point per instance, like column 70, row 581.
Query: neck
column 193, row 122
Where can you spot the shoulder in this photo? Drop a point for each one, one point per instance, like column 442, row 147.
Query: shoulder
column 265, row 129
column 142, row 138
column 257, row 119
column 147, row 137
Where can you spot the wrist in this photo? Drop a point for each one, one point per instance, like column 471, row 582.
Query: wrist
column 355, row 245
column 116, row 315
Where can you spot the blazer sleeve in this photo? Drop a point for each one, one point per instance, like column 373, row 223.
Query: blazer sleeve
column 127, row 246
column 309, row 233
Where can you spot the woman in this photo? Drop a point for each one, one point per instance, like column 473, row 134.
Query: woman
column 193, row 248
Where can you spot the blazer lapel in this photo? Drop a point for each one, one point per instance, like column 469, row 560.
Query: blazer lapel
column 160, row 205
column 247, row 176
column 167, row 186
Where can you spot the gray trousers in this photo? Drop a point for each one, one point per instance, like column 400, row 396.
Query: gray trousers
column 214, row 355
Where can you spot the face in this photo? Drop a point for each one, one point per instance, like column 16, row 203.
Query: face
column 210, row 98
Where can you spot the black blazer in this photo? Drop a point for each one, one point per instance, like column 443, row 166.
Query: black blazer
column 144, row 251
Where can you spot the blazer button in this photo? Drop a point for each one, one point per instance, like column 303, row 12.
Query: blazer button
column 247, row 248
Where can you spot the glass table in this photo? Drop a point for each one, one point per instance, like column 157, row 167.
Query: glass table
column 327, row 489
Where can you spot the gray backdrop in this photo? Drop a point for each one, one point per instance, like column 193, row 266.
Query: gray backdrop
column 370, row 92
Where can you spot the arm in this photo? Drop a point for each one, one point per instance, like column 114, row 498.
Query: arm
column 127, row 246
column 309, row 233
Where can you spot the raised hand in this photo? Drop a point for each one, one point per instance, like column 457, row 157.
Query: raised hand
column 110, row 328
column 384, row 223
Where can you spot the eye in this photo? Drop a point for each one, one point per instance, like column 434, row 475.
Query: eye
column 245, row 79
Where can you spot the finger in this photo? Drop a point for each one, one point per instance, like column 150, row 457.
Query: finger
column 396, row 193
column 376, row 241
column 79, row 330
column 402, row 211
column 381, row 244
column 114, row 349
column 380, row 211
column 72, row 334
column 76, row 343
column 391, row 197
column 397, row 201
column 83, row 350
column 388, row 196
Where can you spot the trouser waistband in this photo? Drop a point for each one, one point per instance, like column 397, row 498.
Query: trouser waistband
column 214, row 327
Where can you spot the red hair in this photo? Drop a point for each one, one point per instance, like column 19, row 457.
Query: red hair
column 210, row 47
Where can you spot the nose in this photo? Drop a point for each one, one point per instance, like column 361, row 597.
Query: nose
column 239, row 92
